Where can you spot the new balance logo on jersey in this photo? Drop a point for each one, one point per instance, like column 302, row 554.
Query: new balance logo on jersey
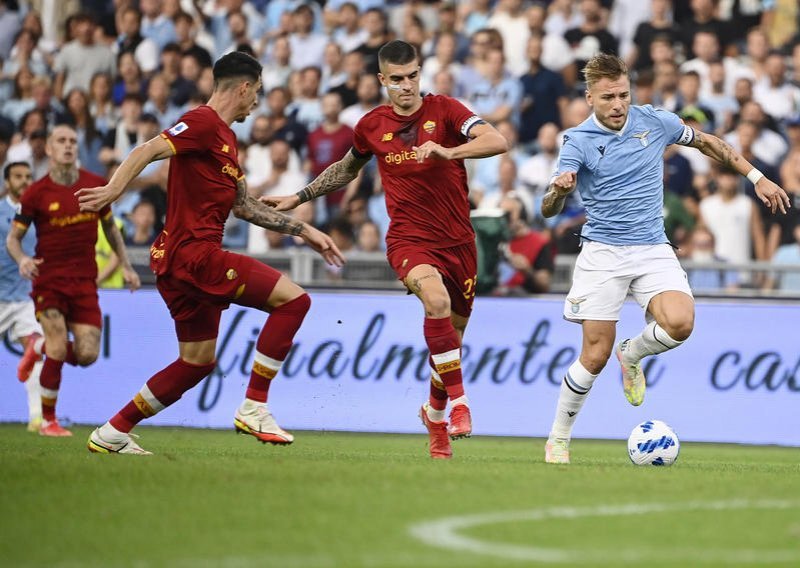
column 642, row 136
column 55, row 206
column 178, row 128
column 387, row 137
column 225, row 149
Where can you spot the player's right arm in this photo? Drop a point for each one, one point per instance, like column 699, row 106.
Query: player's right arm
column 334, row 177
column 95, row 198
column 28, row 266
column 250, row 209
column 563, row 183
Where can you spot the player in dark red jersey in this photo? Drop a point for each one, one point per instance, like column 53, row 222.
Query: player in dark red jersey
column 195, row 277
column 420, row 144
column 64, row 270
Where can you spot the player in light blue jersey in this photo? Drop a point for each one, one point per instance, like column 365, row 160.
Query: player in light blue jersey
column 615, row 160
column 17, row 318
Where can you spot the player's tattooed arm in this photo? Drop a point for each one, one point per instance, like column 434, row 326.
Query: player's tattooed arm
column 334, row 177
column 553, row 201
column 720, row 151
column 252, row 210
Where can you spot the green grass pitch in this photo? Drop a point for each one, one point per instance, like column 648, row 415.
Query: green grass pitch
column 210, row 498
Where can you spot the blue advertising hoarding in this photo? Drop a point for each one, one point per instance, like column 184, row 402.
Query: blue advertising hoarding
column 359, row 363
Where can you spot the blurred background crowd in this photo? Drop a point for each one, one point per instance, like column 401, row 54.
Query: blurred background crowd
column 122, row 70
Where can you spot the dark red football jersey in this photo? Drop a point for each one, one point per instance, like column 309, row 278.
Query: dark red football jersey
column 427, row 202
column 65, row 235
column 200, row 190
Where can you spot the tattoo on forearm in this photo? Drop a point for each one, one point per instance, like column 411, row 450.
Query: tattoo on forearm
column 552, row 203
column 716, row 148
column 334, row 177
column 250, row 209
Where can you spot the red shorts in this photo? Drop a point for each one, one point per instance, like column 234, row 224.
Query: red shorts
column 76, row 298
column 197, row 292
column 458, row 266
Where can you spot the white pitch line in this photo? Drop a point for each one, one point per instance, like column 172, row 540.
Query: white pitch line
column 444, row 533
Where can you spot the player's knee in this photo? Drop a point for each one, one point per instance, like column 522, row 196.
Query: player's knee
column 86, row 358
column 594, row 362
column 299, row 306
column 437, row 306
column 56, row 350
column 679, row 326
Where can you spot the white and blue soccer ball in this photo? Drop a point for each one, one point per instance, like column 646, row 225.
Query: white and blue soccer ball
column 653, row 443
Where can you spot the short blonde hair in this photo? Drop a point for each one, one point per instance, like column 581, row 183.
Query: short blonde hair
column 603, row 66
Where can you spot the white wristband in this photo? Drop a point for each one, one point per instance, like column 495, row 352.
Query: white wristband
column 754, row 176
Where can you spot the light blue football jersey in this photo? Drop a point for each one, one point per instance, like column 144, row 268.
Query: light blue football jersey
column 621, row 174
column 13, row 287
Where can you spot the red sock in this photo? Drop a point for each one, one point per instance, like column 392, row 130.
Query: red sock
column 445, row 347
column 50, row 381
column 273, row 345
column 438, row 395
column 164, row 388
column 69, row 359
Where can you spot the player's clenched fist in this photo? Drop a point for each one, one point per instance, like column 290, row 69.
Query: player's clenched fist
column 564, row 183
column 431, row 148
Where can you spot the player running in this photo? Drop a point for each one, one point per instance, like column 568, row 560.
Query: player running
column 421, row 143
column 195, row 277
column 615, row 160
column 64, row 271
column 17, row 315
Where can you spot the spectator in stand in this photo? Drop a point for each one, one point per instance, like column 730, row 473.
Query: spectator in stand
column 185, row 32
column 368, row 238
column 308, row 46
column 276, row 67
column 624, row 19
column 444, row 58
column 536, row 172
column 353, row 66
column 369, row 97
column 703, row 19
column 170, row 69
column 347, row 31
column 101, row 107
column 701, row 246
column 284, row 126
column 9, row 26
column 474, row 68
column 498, row 96
column 734, row 220
column 660, row 24
column 37, row 156
column 375, row 23
column 793, row 133
column 774, row 92
column 283, row 176
column 80, row 59
column 722, row 105
column 689, row 98
column 90, row 140
column 191, row 67
column 26, row 55
column 130, row 80
column 158, row 103
column 447, row 24
column 707, row 49
column 21, row 99
column 544, row 96
column 756, row 53
column 510, row 20
column 328, row 144
column 121, row 139
column 556, row 53
column 257, row 161
column 32, row 125
column 306, row 108
column 143, row 225
column 130, row 39
column 787, row 255
column 529, row 257
column 590, row 37
column 474, row 15
column 333, row 73
column 155, row 24
column 666, row 85
column 562, row 15
column 644, row 88
column 237, row 31
column 769, row 147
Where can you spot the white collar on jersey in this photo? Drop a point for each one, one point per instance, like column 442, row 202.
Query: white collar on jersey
column 15, row 206
column 605, row 128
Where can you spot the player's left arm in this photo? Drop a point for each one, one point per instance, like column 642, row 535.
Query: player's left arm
column 770, row 193
column 484, row 141
column 28, row 266
column 250, row 209
column 114, row 238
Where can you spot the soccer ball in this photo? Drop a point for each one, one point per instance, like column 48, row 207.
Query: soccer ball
column 653, row 443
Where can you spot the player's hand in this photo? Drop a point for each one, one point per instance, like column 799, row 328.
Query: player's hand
column 323, row 244
column 29, row 267
column 431, row 149
column 565, row 182
column 281, row 203
column 131, row 278
column 772, row 195
column 95, row 198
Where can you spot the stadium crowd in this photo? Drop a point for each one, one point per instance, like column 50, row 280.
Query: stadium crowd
column 122, row 70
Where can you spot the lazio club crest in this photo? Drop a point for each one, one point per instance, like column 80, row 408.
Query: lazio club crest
column 575, row 304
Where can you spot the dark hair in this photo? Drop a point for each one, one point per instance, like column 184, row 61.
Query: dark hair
column 7, row 169
column 397, row 52
column 234, row 65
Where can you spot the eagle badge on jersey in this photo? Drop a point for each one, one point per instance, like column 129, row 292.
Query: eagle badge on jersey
column 54, row 206
column 178, row 128
column 429, row 126
column 642, row 136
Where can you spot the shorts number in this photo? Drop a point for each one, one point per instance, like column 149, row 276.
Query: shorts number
column 469, row 287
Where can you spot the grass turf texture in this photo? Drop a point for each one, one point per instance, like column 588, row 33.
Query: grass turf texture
column 210, row 498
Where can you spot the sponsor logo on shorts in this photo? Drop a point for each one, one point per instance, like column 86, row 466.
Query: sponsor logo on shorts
column 231, row 274
column 575, row 304
column 429, row 126
column 387, row 137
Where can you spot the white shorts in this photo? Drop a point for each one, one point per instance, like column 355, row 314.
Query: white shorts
column 18, row 319
column 605, row 273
